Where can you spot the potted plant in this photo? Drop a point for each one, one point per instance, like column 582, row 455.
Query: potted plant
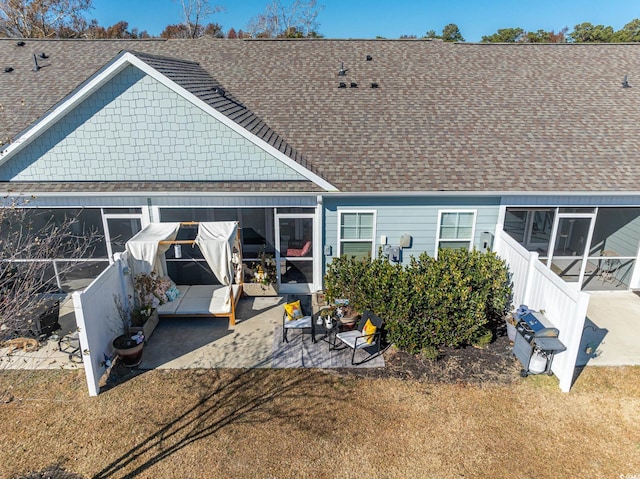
column 262, row 279
column 127, row 345
column 150, row 291
column 347, row 316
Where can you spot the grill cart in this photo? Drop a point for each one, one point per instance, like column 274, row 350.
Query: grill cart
column 536, row 344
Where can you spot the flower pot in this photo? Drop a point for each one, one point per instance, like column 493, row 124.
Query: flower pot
column 129, row 350
column 259, row 289
column 148, row 326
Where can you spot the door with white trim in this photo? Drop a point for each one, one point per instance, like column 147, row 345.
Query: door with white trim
column 294, row 252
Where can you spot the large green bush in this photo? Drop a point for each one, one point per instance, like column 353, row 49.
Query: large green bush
column 451, row 301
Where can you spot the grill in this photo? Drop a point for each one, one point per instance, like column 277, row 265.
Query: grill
column 536, row 343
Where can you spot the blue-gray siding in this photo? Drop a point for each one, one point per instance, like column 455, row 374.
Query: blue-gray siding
column 134, row 128
column 417, row 216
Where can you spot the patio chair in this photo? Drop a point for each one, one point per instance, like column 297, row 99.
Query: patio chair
column 367, row 337
column 294, row 318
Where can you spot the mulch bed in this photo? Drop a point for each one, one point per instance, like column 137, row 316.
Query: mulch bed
column 493, row 364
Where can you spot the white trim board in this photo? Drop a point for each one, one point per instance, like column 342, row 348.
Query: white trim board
column 118, row 64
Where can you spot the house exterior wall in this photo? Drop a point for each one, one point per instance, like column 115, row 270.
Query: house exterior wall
column 566, row 200
column 625, row 237
column 134, row 128
column 417, row 216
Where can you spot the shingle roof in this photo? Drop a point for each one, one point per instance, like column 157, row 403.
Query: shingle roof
column 451, row 117
column 193, row 78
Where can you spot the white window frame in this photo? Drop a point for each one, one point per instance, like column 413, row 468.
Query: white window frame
column 473, row 228
column 143, row 216
column 373, row 233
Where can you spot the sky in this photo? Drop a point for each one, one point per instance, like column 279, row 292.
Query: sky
column 390, row 18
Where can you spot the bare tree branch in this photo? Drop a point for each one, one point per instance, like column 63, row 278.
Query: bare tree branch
column 40, row 18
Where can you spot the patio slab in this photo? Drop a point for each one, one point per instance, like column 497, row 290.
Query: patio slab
column 180, row 343
column 611, row 335
column 48, row 355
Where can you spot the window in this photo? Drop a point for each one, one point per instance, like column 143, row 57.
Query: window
column 531, row 227
column 357, row 233
column 456, row 229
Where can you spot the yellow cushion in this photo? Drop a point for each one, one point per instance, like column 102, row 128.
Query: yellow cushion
column 294, row 310
column 369, row 329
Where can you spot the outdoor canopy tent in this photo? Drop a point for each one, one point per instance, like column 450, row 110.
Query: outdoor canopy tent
column 220, row 246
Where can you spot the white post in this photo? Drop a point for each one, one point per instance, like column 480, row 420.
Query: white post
column 573, row 339
column 318, row 250
column 90, row 374
column 526, row 295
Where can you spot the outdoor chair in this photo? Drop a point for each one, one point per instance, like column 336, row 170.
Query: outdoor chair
column 367, row 337
column 294, row 318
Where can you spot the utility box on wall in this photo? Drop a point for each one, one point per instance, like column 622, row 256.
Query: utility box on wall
column 486, row 241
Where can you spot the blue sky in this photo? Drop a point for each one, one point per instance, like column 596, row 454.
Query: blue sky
column 391, row 18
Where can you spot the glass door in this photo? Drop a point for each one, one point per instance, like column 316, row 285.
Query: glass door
column 120, row 225
column 572, row 235
column 294, row 252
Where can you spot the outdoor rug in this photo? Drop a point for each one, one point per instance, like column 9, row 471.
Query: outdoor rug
column 301, row 352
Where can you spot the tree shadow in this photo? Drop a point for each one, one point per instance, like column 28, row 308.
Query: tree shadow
column 243, row 398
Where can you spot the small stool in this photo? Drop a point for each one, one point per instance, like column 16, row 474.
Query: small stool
column 70, row 344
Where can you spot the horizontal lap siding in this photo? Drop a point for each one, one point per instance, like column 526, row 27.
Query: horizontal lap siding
column 416, row 216
column 624, row 241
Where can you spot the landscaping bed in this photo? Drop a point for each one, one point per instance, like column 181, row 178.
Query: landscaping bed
column 492, row 364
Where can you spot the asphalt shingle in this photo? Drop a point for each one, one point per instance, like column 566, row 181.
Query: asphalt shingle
column 445, row 117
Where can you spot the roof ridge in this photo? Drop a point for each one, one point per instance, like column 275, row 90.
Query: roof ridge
column 143, row 55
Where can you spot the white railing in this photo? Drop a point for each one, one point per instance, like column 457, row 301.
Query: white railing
column 55, row 262
column 542, row 290
column 98, row 319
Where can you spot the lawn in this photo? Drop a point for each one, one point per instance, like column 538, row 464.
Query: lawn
column 306, row 423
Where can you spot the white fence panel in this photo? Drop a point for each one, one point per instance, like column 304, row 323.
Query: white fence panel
column 542, row 290
column 98, row 320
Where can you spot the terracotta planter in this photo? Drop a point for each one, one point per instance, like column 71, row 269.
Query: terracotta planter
column 348, row 323
column 128, row 350
column 148, row 327
column 259, row 289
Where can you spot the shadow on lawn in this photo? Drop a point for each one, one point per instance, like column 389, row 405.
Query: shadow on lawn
column 244, row 398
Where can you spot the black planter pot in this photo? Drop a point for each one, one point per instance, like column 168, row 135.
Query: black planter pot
column 128, row 350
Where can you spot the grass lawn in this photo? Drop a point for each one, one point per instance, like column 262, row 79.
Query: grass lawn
column 305, row 423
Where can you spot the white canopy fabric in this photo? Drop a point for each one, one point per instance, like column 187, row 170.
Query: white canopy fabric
column 216, row 240
column 144, row 250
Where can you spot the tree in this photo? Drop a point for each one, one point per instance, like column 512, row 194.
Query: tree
column 193, row 14
column 42, row 18
column 588, row 33
column 40, row 237
column 505, row 35
column 629, row 33
column 298, row 18
column 431, row 34
column 451, row 33
column 543, row 36
column 180, row 30
column 117, row 30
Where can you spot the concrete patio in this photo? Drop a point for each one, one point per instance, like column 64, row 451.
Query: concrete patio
column 254, row 342
column 49, row 355
column 611, row 335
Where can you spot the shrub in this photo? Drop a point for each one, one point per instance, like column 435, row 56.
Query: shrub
column 452, row 301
